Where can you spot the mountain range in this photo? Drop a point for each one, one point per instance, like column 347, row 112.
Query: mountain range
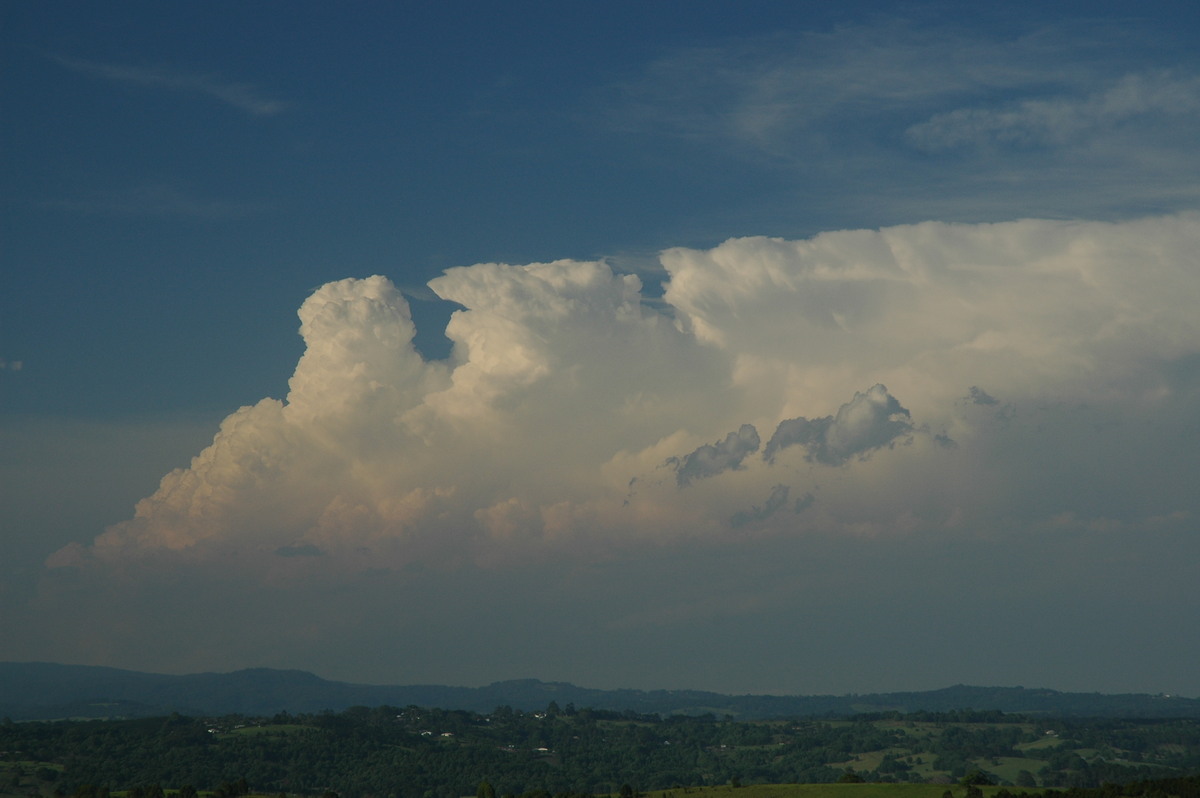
column 40, row 691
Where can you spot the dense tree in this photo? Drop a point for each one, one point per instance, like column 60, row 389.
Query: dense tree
column 977, row 777
column 430, row 753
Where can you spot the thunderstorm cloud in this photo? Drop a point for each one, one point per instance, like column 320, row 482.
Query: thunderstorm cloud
column 564, row 386
column 556, row 408
column 422, row 482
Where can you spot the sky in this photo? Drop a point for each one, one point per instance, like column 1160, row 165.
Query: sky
column 764, row 347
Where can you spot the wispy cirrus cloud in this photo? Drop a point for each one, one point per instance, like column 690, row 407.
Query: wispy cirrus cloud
column 873, row 115
column 242, row 96
column 772, row 93
column 1133, row 99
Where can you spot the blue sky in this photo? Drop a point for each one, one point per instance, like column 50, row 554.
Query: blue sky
column 937, row 259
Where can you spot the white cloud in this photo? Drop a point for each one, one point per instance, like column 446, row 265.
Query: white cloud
column 573, row 426
column 563, row 389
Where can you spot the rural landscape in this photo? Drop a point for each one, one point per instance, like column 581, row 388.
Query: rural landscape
column 1143, row 744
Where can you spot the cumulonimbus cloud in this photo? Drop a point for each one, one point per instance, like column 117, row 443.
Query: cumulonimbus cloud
column 564, row 387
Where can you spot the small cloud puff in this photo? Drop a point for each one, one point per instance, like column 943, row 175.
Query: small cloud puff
column 714, row 458
column 978, row 396
column 774, row 503
column 869, row 421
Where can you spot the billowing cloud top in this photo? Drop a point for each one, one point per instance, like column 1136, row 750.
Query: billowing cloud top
column 573, row 416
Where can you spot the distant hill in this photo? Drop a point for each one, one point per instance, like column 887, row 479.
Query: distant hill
column 39, row 690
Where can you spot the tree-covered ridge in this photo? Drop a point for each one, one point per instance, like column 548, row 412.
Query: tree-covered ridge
column 41, row 691
column 434, row 753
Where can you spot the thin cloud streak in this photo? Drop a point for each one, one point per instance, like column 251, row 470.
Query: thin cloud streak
column 242, row 96
column 1134, row 98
